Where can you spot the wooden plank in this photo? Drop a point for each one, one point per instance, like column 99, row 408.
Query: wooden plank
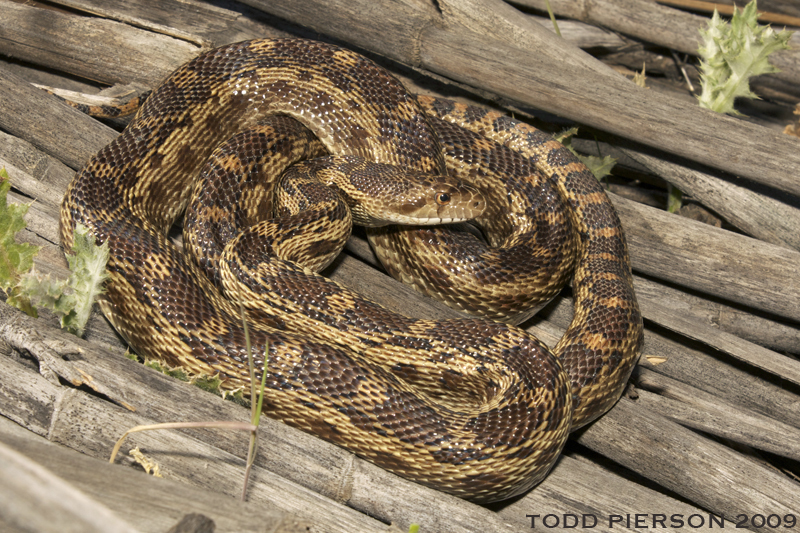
column 584, row 35
column 700, row 410
column 748, row 352
column 33, row 173
column 661, row 25
column 91, row 425
column 27, row 398
column 779, row 336
column 770, row 219
column 711, row 260
column 85, row 492
column 49, row 124
column 89, row 47
column 705, row 370
column 602, row 493
column 709, row 474
column 33, row 499
column 201, row 23
column 694, row 364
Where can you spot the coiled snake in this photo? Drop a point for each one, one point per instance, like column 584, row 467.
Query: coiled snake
column 474, row 407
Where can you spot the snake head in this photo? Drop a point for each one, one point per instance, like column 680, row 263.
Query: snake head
column 379, row 194
column 430, row 200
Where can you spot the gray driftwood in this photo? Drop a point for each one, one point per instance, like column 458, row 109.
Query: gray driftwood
column 46, row 36
column 765, row 217
column 657, row 24
column 73, row 492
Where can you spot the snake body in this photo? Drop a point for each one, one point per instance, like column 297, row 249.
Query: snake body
column 474, row 407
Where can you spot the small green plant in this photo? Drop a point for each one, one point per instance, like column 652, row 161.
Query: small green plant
column 175, row 373
column 212, row 384
column 600, row 166
column 674, row 198
column 70, row 299
column 209, row 383
column 15, row 258
column 734, row 52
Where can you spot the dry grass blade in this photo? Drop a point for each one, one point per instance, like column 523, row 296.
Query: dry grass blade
column 255, row 406
column 255, row 413
column 223, row 424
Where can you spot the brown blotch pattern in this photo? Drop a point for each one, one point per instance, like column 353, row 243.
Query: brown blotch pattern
column 476, row 408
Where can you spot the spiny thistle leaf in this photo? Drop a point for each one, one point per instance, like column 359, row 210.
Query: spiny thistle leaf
column 732, row 53
column 44, row 291
column 15, row 258
column 88, row 273
column 71, row 299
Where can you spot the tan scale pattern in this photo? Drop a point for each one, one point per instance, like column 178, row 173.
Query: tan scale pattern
column 476, row 408
column 603, row 342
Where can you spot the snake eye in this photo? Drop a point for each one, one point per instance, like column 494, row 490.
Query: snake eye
column 442, row 198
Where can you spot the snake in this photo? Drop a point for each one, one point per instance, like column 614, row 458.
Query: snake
column 475, row 407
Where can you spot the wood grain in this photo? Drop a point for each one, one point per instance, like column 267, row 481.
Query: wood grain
column 89, row 47
column 711, row 260
column 682, row 460
column 772, row 219
column 21, row 103
column 700, row 410
column 658, row 24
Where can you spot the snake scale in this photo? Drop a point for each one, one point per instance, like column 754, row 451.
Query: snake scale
column 474, row 407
